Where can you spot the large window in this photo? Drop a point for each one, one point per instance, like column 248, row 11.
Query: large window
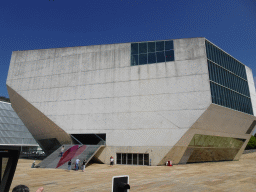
column 228, row 80
column 152, row 52
column 212, row 148
column 216, row 141
column 132, row 159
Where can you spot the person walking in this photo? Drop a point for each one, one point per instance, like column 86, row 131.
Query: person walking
column 84, row 162
column 77, row 164
column 69, row 165
column 62, row 150
column 111, row 161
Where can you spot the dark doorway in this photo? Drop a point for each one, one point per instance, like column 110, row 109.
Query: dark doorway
column 89, row 139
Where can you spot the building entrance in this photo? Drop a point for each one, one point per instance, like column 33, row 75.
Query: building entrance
column 132, row 159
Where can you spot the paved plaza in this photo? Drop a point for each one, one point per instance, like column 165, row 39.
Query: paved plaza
column 218, row 176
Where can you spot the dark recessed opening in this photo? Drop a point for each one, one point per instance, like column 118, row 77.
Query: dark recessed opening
column 89, row 139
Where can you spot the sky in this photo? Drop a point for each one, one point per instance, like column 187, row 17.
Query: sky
column 43, row 24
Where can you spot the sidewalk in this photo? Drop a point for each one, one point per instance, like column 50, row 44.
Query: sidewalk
column 218, row 176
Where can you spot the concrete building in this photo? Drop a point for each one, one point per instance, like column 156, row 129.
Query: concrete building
column 12, row 130
column 183, row 100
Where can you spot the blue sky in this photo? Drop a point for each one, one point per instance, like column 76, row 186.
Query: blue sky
column 42, row 24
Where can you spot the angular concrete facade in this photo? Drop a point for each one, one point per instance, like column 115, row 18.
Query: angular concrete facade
column 153, row 109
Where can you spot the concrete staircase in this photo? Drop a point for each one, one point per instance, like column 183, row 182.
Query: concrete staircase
column 53, row 159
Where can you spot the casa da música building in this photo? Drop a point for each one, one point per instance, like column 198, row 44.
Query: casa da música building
column 183, row 100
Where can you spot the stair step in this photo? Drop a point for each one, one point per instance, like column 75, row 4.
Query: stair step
column 53, row 159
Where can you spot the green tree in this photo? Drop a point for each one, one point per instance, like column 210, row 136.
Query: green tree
column 252, row 143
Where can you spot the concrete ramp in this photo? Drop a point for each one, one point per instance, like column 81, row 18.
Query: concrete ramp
column 71, row 152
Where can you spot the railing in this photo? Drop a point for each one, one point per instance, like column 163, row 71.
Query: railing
column 102, row 142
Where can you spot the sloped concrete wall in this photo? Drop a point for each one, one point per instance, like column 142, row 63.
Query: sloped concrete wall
column 215, row 121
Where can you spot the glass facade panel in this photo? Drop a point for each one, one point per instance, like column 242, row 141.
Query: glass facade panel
column 129, row 159
column 143, row 59
column 135, row 159
column 159, row 45
column 168, row 45
column 169, row 55
column 146, row 159
column 152, row 52
column 151, row 47
column 134, row 48
column 151, row 58
column 132, row 159
column 160, row 57
column 228, row 80
column 124, row 158
column 118, row 158
column 140, row 159
column 143, row 47
column 213, row 148
column 134, row 60
column 215, row 141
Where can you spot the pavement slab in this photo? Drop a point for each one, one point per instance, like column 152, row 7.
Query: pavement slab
column 213, row 176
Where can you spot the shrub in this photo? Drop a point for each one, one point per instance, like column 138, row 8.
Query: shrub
column 252, row 143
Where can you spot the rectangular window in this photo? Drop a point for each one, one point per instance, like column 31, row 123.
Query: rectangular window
column 168, row 45
column 135, row 159
column 169, row 55
column 134, row 60
column 129, row 159
column 151, row 58
column 143, row 59
column 160, row 57
column 140, row 159
column 118, row 158
column 146, row 159
column 143, row 47
column 152, row 52
column 134, row 48
column 151, row 47
column 159, row 45
column 123, row 158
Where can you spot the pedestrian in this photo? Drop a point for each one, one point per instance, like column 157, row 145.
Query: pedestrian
column 33, row 164
column 111, row 161
column 77, row 164
column 84, row 162
column 62, row 150
column 69, row 165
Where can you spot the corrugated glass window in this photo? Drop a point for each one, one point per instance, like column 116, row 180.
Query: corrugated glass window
column 228, row 80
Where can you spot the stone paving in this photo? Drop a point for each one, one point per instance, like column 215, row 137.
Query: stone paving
column 218, row 176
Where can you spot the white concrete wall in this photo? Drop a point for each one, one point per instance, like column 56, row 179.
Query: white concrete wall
column 94, row 89
column 251, row 88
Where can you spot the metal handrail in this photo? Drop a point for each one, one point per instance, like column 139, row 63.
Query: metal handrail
column 76, row 139
column 102, row 141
